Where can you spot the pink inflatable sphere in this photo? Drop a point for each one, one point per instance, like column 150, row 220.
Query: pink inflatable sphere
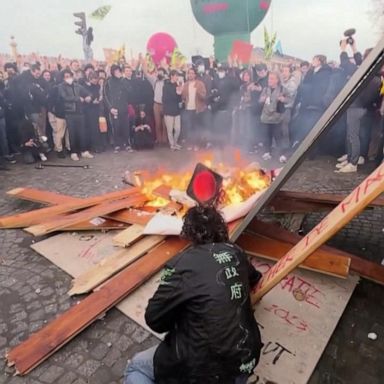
column 160, row 46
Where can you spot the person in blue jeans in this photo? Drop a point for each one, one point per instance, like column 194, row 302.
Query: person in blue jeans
column 203, row 305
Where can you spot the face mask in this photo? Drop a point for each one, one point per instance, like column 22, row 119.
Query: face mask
column 201, row 68
column 221, row 75
column 69, row 81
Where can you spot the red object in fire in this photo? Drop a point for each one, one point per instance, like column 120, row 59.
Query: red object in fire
column 205, row 185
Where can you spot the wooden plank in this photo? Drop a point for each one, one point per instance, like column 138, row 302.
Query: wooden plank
column 87, row 214
column 365, row 268
column 127, row 216
column 355, row 202
column 39, row 346
column 358, row 81
column 128, row 236
column 320, row 261
column 97, row 224
column 322, row 198
column 36, row 216
column 162, row 191
column 112, row 265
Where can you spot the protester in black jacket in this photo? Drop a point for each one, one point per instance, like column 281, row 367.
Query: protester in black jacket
column 116, row 100
column 363, row 103
column 4, row 147
column 203, row 303
column 171, row 108
column 311, row 98
column 92, row 112
column 73, row 96
column 35, row 99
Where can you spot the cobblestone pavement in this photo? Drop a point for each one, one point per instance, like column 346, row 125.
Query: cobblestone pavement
column 33, row 291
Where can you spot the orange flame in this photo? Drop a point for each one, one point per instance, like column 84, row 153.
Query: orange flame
column 240, row 182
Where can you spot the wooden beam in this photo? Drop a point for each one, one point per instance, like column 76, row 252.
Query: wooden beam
column 86, row 214
column 127, row 216
column 92, row 225
column 39, row 346
column 112, row 265
column 330, row 199
column 128, row 236
column 320, row 261
column 36, row 216
column 365, row 268
column 355, row 202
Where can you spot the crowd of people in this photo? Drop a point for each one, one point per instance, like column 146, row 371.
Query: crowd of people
column 78, row 111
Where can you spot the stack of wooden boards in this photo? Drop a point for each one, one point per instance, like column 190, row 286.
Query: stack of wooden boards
column 139, row 257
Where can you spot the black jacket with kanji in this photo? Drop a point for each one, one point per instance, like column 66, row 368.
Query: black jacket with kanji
column 203, row 303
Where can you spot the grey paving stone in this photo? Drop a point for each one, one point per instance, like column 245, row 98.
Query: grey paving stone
column 52, row 374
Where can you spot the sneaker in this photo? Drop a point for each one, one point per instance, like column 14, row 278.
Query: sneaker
column 129, row 149
column 43, row 157
column 361, row 161
column 10, row 159
column 189, row 148
column 267, row 156
column 60, row 154
column 87, row 155
column 173, row 148
column 341, row 165
column 74, row 157
column 342, row 158
column 178, row 147
column 116, row 149
column 349, row 168
column 196, row 148
column 283, row 159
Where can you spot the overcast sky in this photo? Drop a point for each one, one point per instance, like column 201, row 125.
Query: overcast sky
column 305, row 27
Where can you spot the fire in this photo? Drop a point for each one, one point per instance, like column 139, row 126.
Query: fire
column 240, row 182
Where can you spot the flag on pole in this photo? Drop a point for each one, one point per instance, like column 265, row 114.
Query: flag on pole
column 279, row 48
column 101, row 12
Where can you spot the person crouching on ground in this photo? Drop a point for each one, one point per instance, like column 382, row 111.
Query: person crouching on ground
column 203, row 304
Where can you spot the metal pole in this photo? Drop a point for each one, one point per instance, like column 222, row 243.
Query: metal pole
column 340, row 104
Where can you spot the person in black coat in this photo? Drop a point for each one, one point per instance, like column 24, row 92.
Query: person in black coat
column 92, row 112
column 142, row 135
column 311, row 98
column 73, row 97
column 203, row 305
column 171, row 106
column 116, row 100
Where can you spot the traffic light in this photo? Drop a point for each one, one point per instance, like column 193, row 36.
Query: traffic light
column 205, row 186
column 82, row 23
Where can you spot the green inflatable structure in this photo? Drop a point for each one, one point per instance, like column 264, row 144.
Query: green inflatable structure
column 229, row 20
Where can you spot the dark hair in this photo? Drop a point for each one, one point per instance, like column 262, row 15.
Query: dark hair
column 304, row 64
column 10, row 65
column 173, row 73
column 321, row 58
column 35, row 67
column 66, row 72
column 45, row 71
column 193, row 69
column 89, row 66
column 203, row 225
